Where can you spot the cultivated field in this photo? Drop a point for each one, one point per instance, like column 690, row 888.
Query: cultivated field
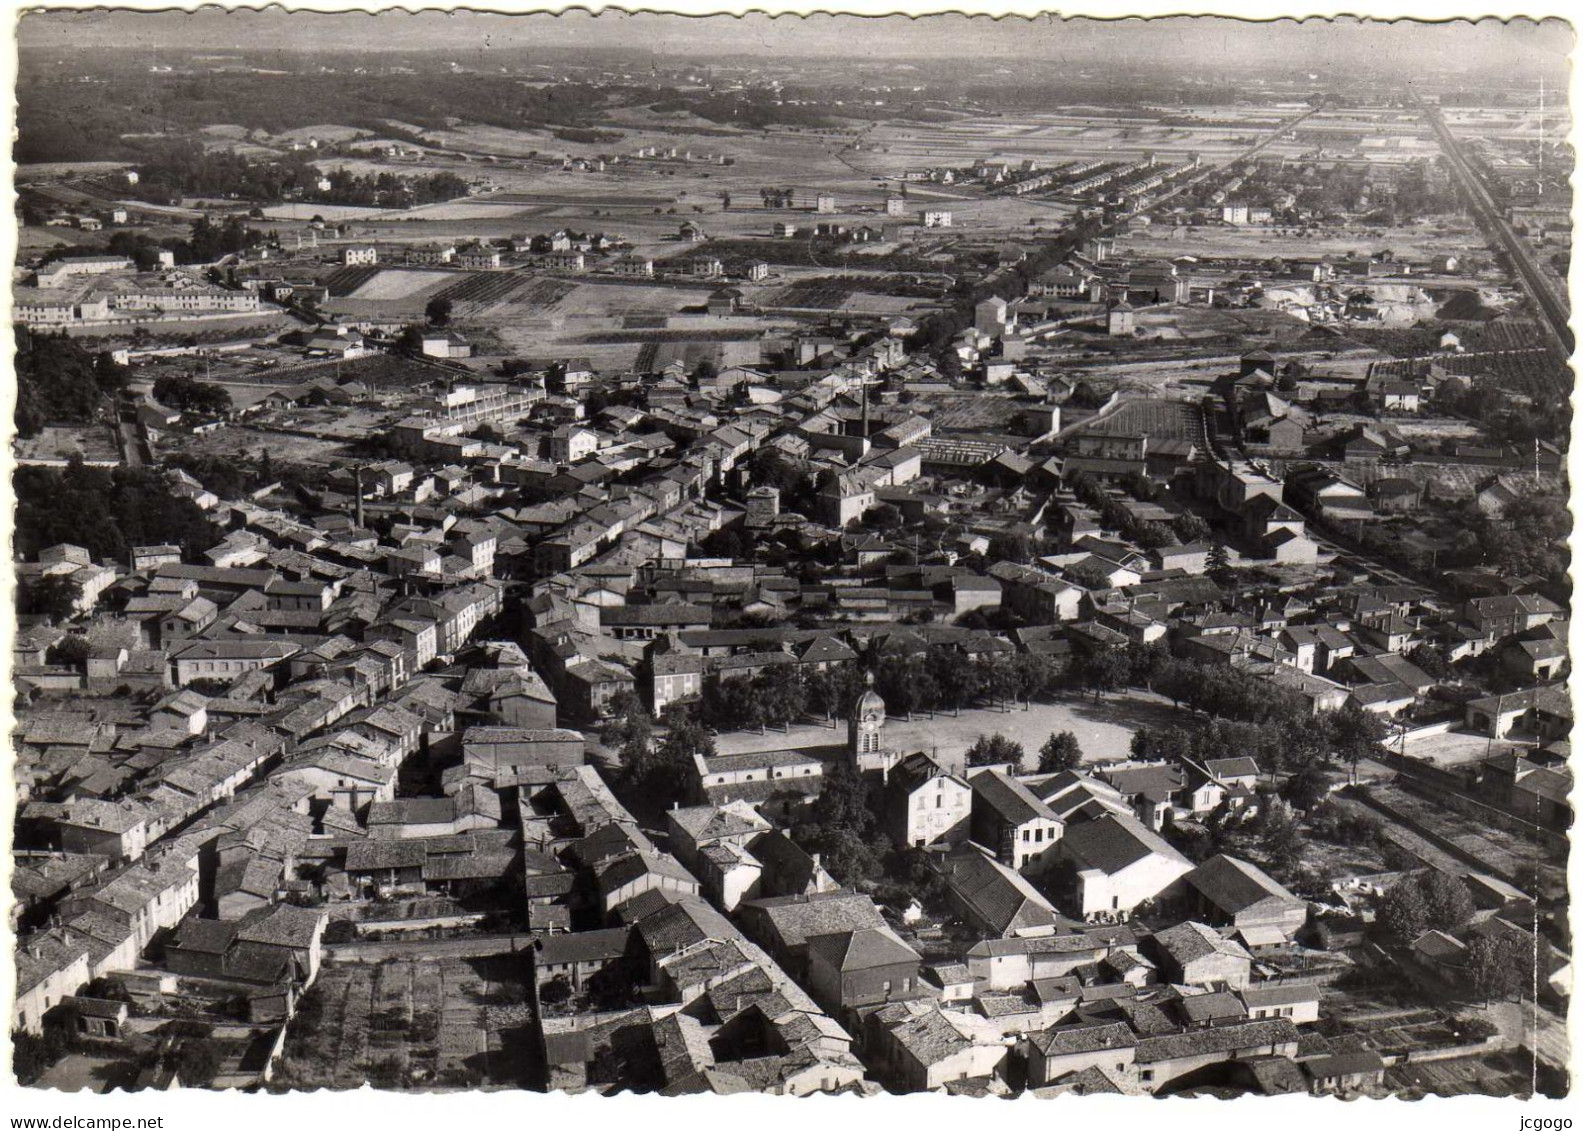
column 395, row 285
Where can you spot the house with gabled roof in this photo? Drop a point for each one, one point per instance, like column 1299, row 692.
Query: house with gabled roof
column 1107, row 1046
column 1010, row 819
column 784, row 925
column 925, row 803
column 864, row 966
column 993, row 897
column 1167, row 1057
column 1233, row 893
column 1117, row 863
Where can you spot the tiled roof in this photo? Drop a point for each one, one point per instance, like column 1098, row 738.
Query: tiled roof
column 1114, row 842
column 1234, row 885
column 1075, row 1039
column 796, row 919
column 1001, row 898
column 1221, row 1040
column 865, row 949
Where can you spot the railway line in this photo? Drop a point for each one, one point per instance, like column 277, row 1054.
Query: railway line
column 1552, row 305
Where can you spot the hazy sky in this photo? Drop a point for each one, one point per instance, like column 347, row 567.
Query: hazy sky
column 471, row 36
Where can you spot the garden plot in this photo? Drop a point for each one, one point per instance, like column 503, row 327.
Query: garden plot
column 411, row 1023
column 393, row 286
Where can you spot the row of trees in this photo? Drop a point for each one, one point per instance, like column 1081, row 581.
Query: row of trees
column 1246, row 711
column 1059, row 753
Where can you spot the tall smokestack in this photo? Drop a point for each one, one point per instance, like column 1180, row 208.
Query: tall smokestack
column 865, row 408
column 357, row 474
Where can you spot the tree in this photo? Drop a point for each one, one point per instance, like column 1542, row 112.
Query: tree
column 896, row 680
column 997, row 676
column 181, row 392
column 1059, row 753
column 1219, row 563
column 72, row 651
column 953, row 677
column 1104, row 670
column 1353, row 734
column 1446, row 901
column 841, row 823
column 993, row 750
column 438, row 311
column 1089, row 576
column 556, row 990
column 1279, row 835
column 1035, row 675
column 1430, row 660
column 733, row 702
column 660, row 773
column 1403, row 912
column 629, row 724
column 195, row 1062
column 781, row 694
column 1011, row 547
column 843, row 803
column 51, row 595
column 1496, row 964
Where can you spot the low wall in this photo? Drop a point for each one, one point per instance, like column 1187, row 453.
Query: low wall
column 1493, row 1043
column 1430, row 730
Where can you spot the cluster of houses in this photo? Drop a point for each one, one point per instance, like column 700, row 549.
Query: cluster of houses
column 211, row 744
column 106, row 289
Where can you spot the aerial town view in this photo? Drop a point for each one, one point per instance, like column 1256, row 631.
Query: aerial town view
column 870, row 556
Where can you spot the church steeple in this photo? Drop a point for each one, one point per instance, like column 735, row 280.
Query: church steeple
column 865, row 735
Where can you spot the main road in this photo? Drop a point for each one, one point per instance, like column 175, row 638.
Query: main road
column 1553, row 305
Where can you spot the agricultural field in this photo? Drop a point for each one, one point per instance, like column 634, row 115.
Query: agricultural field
column 1537, row 372
column 389, row 285
column 810, row 294
column 722, row 352
column 476, row 297
column 332, row 213
column 412, row 1023
column 1493, row 1074
column 345, row 281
